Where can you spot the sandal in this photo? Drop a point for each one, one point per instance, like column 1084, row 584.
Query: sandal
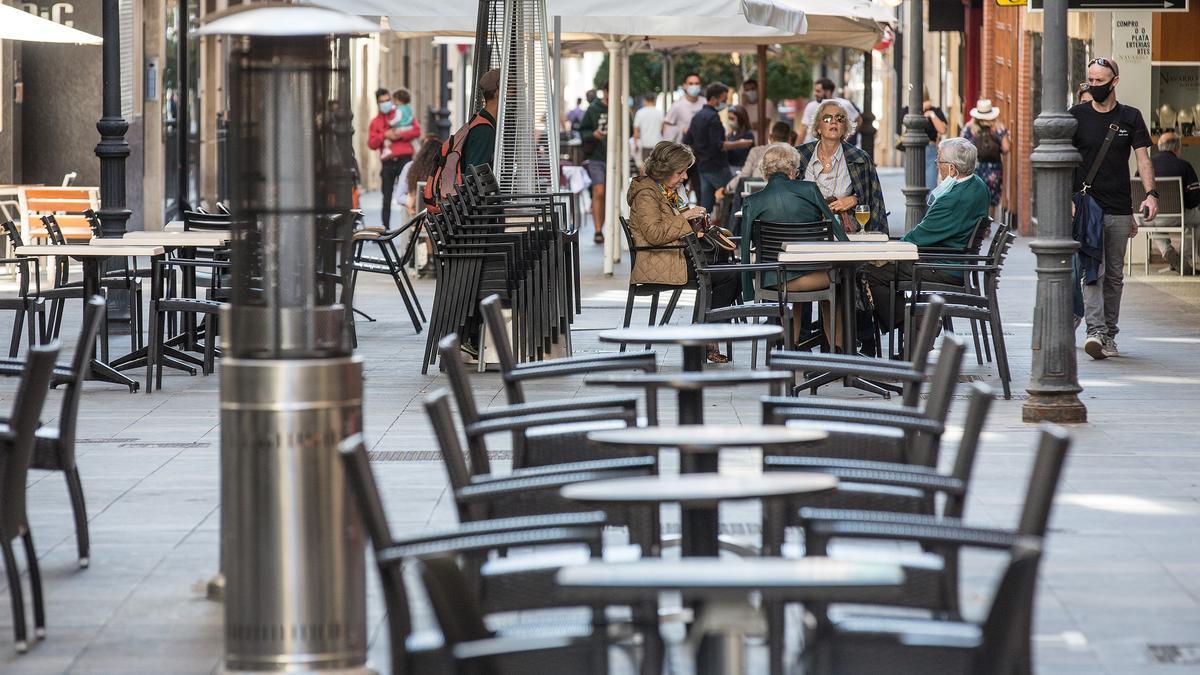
column 715, row 355
column 599, row 238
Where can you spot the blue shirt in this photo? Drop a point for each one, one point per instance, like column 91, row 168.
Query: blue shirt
column 706, row 135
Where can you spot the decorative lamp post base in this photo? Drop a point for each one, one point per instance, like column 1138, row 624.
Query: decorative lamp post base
column 1062, row 408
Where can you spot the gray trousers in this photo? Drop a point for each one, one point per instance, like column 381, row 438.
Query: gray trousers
column 1102, row 300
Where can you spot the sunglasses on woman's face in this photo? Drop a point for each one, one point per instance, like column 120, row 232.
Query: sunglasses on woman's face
column 828, row 119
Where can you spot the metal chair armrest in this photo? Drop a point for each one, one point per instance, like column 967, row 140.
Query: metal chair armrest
column 549, row 407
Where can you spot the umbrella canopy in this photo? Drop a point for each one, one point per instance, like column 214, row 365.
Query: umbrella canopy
column 16, row 24
column 667, row 24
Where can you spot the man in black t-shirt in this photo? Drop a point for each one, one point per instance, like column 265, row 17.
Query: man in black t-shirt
column 1110, row 189
column 1168, row 164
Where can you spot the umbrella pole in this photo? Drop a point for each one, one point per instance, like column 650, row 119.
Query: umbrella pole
column 762, row 94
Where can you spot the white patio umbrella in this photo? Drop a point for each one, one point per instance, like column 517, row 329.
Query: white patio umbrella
column 16, row 24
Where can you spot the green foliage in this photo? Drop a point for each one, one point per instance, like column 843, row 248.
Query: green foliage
column 789, row 71
column 645, row 73
column 711, row 68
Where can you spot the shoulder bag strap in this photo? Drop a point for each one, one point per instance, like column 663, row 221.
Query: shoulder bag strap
column 1108, row 138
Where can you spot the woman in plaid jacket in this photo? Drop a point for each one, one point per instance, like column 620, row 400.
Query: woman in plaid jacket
column 845, row 174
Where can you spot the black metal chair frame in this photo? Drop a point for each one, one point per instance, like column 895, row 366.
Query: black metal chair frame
column 650, row 290
column 17, row 440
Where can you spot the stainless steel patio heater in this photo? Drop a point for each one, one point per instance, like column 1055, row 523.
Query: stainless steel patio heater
column 292, row 548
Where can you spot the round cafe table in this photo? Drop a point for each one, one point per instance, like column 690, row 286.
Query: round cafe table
column 694, row 340
column 698, row 495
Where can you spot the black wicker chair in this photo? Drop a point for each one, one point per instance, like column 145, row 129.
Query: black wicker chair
column 17, row 440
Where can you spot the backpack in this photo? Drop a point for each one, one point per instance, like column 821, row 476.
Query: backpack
column 988, row 144
column 447, row 176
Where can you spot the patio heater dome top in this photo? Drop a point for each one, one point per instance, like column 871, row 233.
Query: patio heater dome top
column 283, row 19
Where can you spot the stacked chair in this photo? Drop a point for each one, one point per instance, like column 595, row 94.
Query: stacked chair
column 519, row 247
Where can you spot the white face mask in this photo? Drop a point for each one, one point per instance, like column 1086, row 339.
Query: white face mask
column 941, row 189
column 692, row 90
column 750, row 96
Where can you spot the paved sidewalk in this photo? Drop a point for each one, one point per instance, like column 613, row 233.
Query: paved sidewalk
column 1120, row 587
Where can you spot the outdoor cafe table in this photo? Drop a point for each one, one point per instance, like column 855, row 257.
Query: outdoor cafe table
column 724, row 586
column 170, row 241
column 698, row 495
column 699, row 455
column 90, row 257
column 847, row 258
column 694, row 340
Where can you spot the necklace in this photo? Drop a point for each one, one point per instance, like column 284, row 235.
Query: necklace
column 827, row 164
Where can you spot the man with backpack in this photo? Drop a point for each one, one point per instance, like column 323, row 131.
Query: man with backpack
column 1106, row 134
column 473, row 144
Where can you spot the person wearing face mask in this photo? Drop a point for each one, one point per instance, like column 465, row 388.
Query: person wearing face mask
column 679, row 117
column 706, row 136
column 394, row 143
column 956, row 204
column 749, row 101
column 1110, row 188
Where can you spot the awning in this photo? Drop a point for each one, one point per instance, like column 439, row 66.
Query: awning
column 16, row 24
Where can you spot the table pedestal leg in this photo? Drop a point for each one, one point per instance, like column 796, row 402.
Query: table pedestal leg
column 91, row 287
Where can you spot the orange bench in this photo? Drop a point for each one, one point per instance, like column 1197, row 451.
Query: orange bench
column 68, row 205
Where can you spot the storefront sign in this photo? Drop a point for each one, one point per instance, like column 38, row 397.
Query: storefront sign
column 1110, row 5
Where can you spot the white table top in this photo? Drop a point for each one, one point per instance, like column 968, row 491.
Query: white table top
column 867, row 236
column 89, row 251
column 842, row 251
column 199, row 238
column 174, row 226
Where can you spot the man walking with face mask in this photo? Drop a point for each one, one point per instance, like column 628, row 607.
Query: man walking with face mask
column 1106, row 135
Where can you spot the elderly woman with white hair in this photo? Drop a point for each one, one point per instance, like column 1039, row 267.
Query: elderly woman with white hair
column 956, row 205
column 845, row 174
column 786, row 199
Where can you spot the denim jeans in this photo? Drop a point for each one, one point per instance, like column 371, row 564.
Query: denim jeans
column 709, row 182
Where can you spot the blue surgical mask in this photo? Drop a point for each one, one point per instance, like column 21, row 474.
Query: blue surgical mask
column 722, row 106
column 941, row 189
column 693, row 90
column 386, row 107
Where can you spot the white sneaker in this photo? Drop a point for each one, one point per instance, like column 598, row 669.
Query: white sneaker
column 1094, row 346
column 1110, row 347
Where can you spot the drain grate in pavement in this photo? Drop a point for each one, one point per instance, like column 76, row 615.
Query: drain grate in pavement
column 104, row 440
column 425, row 455
column 166, row 446
column 970, row 378
column 730, row 529
column 1175, row 655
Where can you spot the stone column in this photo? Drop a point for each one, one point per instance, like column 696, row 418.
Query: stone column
column 112, row 149
column 1054, row 382
column 914, row 139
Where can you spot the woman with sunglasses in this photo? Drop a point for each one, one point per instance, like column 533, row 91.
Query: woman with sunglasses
column 845, row 174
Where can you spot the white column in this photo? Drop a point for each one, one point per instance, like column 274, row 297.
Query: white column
column 626, row 121
column 612, row 175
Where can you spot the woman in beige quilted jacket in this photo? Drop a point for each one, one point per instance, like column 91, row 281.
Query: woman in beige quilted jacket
column 658, row 216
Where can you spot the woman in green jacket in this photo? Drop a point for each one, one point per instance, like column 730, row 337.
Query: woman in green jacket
column 786, row 199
